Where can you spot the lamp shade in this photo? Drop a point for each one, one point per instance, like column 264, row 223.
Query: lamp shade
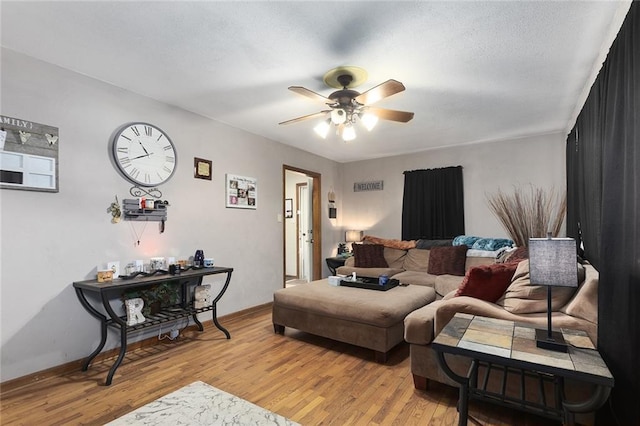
column 353, row 236
column 348, row 133
column 369, row 120
column 338, row 116
column 322, row 128
column 552, row 262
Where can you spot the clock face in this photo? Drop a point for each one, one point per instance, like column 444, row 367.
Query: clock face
column 144, row 154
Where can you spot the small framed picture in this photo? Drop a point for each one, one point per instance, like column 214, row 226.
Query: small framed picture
column 242, row 192
column 202, row 169
column 288, row 208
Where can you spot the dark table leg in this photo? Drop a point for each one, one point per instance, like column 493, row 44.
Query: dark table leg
column 123, row 351
column 123, row 337
column 463, row 398
column 103, row 328
column 214, row 310
column 599, row 397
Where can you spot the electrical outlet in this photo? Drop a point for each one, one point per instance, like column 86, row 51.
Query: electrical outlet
column 173, row 334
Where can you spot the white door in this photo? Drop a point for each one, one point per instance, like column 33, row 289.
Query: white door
column 305, row 239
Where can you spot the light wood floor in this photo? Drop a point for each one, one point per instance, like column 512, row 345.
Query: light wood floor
column 308, row 379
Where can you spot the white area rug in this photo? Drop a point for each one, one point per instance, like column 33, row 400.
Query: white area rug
column 201, row 404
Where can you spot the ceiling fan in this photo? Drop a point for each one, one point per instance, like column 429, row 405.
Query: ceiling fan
column 347, row 105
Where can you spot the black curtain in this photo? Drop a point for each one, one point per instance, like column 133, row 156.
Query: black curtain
column 603, row 211
column 433, row 204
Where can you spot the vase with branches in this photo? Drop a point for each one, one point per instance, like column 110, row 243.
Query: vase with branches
column 529, row 213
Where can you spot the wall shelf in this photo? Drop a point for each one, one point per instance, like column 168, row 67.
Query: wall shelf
column 132, row 211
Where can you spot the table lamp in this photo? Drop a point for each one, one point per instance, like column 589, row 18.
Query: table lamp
column 352, row 237
column 552, row 263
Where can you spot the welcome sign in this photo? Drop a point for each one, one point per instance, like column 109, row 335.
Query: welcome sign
column 368, row 186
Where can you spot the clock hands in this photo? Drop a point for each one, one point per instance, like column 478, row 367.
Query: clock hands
column 145, row 149
column 140, row 156
column 146, row 153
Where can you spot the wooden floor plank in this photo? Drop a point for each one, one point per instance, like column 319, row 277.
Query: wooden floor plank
column 309, row 379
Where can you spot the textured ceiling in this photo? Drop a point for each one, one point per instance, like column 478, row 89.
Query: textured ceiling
column 474, row 71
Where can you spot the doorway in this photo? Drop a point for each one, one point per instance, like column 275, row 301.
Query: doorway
column 302, row 247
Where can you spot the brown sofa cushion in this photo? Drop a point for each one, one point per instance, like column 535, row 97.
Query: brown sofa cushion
column 446, row 284
column 416, row 278
column 518, row 255
column 395, row 257
column 447, row 260
column 417, row 260
column 369, row 256
column 487, row 282
column 523, row 298
column 584, row 303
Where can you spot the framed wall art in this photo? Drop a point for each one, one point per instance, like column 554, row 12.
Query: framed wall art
column 202, row 169
column 28, row 155
column 241, row 192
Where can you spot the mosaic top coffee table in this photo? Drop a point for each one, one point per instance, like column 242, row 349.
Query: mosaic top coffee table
column 493, row 342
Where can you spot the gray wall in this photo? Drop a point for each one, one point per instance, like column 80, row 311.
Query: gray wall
column 50, row 240
column 487, row 167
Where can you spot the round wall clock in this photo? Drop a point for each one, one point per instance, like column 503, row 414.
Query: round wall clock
column 144, row 154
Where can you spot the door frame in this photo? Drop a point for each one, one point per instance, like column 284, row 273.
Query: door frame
column 317, row 220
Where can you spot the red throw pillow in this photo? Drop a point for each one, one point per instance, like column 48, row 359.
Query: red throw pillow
column 447, row 260
column 369, row 256
column 487, row 282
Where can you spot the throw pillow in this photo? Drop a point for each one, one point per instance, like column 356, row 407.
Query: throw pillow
column 487, row 282
column 369, row 256
column 447, row 260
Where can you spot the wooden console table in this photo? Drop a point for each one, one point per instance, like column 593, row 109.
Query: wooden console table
column 107, row 292
column 509, row 348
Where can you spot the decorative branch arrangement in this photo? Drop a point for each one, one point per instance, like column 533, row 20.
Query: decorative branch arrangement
column 529, row 214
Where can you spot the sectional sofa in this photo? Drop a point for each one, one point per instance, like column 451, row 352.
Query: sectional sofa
column 496, row 285
column 514, row 299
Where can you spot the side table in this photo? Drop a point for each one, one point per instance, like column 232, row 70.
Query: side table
column 510, row 347
column 109, row 294
column 334, row 263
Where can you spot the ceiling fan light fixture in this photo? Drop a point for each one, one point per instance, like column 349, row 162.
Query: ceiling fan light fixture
column 338, row 116
column 346, row 106
column 322, row 128
column 369, row 120
column 348, row 133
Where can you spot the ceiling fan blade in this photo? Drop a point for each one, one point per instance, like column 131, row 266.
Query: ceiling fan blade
column 310, row 94
column 381, row 91
column 391, row 114
column 306, row 117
